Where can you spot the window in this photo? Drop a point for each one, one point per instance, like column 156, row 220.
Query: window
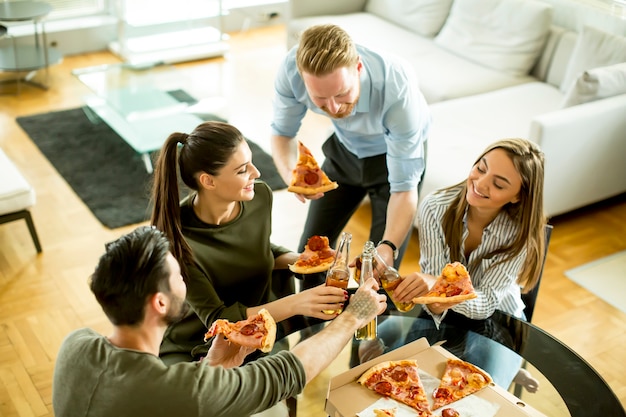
column 62, row 9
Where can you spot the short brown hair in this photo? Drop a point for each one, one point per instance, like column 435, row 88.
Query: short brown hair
column 325, row 48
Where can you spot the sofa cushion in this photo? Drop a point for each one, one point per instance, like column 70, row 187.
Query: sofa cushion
column 425, row 17
column 462, row 128
column 594, row 48
column 15, row 192
column 507, row 35
column 560, row 58
column 444, row 76
column 597, row 83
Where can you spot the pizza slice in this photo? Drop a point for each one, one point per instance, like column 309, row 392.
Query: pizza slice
column 400, row 381
column 453, row 285
column 257, row 331
column 459, row 380
column 317, row 256
column 385, row 412
column 307, row 177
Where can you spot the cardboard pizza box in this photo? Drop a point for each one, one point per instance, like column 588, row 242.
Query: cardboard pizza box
column 346, row 397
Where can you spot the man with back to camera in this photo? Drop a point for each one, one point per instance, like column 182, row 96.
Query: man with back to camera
column 138, row 284
column 381, row 123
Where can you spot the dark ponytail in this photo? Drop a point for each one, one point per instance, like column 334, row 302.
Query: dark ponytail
column 207, row 149
column 166, row 206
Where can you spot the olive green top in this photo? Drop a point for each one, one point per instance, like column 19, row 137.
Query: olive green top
column 233, row 269
column 94, row 378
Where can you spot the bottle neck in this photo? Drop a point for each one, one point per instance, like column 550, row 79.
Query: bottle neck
column 367, row 268
column 342, row 256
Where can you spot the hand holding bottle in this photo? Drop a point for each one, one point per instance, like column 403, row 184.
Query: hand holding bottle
column 369, row 331
column 339, row 274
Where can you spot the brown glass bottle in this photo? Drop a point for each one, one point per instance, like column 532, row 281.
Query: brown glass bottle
column 370, row 330
column 389, row 278
column 339, row 274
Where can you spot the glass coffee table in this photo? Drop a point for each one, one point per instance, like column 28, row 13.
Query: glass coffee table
column 143, row 104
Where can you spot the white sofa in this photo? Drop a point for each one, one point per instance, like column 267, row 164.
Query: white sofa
column 505, row 68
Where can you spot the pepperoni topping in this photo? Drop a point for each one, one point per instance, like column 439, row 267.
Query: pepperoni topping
column 449, row 412
column 249, row 329
column 311, row 178
column 399, row 375
column 383, row 388
column 442, row 393
column 317, row 243
column 374, row 379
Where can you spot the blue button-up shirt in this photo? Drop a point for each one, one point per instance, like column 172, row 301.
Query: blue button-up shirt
column 391, row 115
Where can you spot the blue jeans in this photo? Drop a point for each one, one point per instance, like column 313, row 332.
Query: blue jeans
column 479, row 342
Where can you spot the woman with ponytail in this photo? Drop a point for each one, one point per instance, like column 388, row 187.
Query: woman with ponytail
column 220, row 235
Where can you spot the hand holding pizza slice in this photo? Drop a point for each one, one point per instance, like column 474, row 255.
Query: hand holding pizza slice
column 307, row 177
column 257, row 331
column 452, row 286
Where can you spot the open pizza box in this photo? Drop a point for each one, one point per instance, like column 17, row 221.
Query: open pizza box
column 346, row 397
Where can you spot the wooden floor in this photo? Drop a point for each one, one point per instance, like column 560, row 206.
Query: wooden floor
column 43, row 297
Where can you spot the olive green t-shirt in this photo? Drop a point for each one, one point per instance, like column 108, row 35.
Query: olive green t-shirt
column 233, row 269
column 94, row 378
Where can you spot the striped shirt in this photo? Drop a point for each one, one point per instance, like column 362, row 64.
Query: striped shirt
column 496, row 286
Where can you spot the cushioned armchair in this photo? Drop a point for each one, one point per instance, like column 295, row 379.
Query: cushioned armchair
column 16, row 197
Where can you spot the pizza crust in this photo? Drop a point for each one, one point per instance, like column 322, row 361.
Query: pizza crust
column 270, row 328
column 435, row 299
column 312, row 191
column 299, row 269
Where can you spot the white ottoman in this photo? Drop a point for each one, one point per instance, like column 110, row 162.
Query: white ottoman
column 16, row 197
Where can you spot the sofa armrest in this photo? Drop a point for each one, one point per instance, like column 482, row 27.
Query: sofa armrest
column 584, row 147
column 305, row 8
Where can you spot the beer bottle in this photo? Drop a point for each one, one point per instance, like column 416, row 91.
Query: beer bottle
column 339, row 274
column 389, row 278
column 369, row 331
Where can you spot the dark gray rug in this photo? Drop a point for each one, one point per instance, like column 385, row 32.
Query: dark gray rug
column 104, row 171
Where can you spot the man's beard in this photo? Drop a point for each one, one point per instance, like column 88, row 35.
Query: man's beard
column 345, row 112
column 177, row 311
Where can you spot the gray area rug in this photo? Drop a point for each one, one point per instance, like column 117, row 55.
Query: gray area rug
column 104, row 171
